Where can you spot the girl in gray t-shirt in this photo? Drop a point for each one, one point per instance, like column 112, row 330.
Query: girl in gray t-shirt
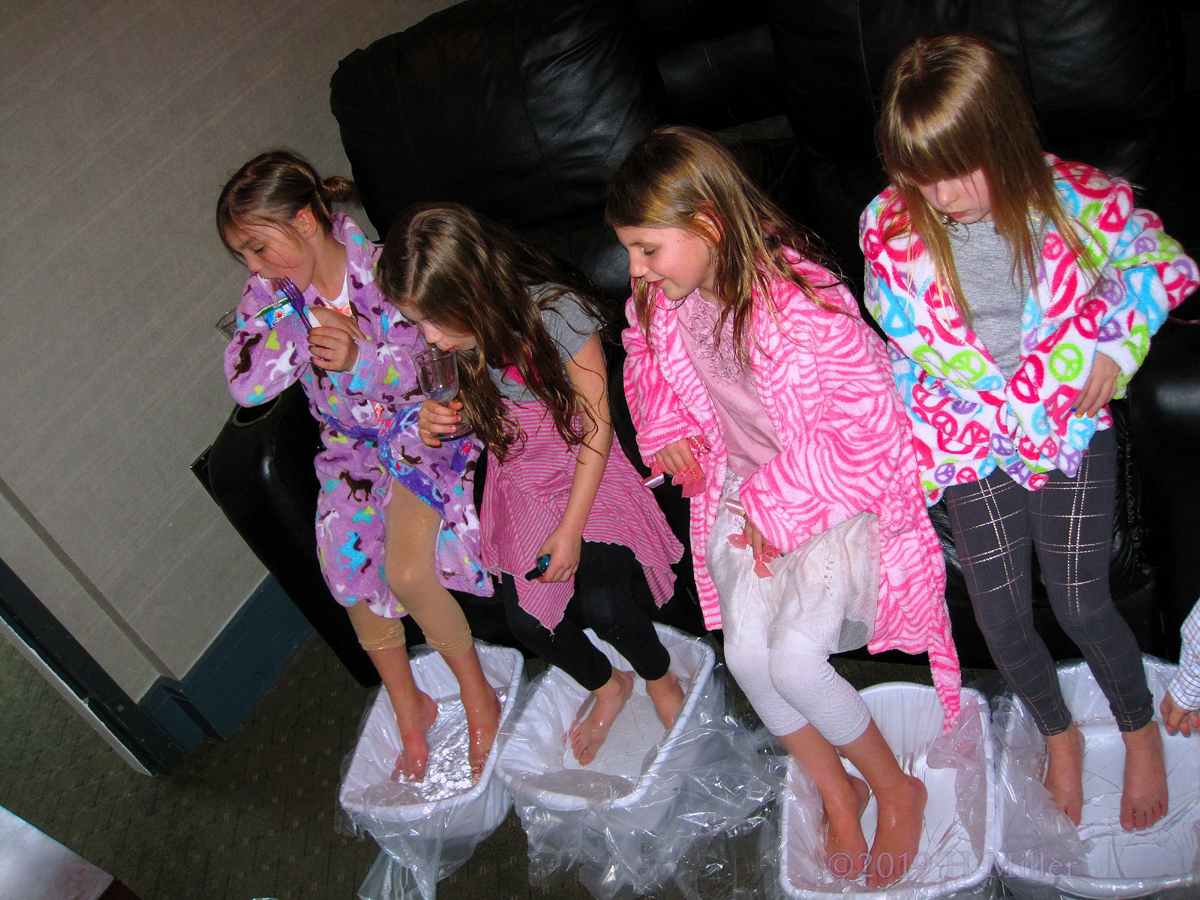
column 567, row 526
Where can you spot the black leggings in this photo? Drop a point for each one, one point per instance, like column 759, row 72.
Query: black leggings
column 1069, row 521
column 606, row 582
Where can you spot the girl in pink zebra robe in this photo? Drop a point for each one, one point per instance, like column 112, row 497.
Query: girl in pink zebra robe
column 349, row 349
column 811, row 535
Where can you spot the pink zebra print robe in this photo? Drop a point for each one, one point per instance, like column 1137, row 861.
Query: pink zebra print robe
column 827, row 386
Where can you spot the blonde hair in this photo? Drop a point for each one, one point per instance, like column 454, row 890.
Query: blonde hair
column 952, row 105
column 680, row 177
column 271, row 189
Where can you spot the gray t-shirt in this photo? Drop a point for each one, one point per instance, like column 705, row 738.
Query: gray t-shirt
column 984, row 267
column 569, row 324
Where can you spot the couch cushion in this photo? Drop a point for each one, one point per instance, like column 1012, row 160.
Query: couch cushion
column 722, row 81
column 1103, row 76
column 518, row 108
column 1094, row 69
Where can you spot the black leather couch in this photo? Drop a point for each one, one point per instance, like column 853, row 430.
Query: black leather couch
column 522, row 108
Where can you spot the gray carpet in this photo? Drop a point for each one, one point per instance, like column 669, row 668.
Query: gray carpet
column 246, row 818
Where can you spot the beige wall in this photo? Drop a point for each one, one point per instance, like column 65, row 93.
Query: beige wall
column 119, row 122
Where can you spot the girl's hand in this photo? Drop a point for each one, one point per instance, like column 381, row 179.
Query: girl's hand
column 754, row 538
column 564, row 547
column 1098, row 390
column 434, row 419
column 331, row 318
column 1176, row 718
column 677, row 457
column 332, row 343
column 762, row 550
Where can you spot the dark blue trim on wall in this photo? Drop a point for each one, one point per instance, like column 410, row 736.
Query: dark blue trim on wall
column 151, row 744
column 226, row 683
column 161, row 704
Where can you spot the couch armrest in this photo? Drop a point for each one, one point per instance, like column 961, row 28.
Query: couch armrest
column 1165, row 406
column 260, row 472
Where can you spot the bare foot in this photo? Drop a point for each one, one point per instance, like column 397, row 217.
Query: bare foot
column 483, row 721
column 898, row 834
column 667, row 695
column 1144, row 799
column 1064, row 772
column 414, row 722
column 845, row 845
column 591, row 726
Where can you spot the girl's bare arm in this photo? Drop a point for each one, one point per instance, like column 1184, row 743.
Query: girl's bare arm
column 589, row 377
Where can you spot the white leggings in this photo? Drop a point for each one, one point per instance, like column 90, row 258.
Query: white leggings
column 772, row 627
column 791, row 686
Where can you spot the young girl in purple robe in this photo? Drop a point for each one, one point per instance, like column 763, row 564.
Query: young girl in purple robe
column 311, row 312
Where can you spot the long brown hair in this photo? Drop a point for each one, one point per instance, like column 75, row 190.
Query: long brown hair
column 680, row 177
column 271, row 188
column 470, row 275
column 952, row 105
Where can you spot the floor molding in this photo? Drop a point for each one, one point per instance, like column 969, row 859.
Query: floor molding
column 237, row 669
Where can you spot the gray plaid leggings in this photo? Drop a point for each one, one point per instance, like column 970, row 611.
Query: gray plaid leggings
column 1069, row 521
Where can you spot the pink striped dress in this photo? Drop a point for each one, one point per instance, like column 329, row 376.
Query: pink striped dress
column 525, row 498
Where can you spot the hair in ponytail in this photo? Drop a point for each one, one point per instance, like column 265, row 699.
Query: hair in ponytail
column 272, row 188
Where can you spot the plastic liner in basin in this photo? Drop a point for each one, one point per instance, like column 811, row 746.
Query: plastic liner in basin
column 428, row 830
column 629, row 818
column 1043, row 856
column 959, row 837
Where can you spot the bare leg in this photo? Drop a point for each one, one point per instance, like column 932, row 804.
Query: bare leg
column 411, row 536
column 844, row 796
column 1064, row 772
column 481, row 705
column 1144, row 798
column 415, row 710
column 667, row 695
column 597, row 715
column 901, row 801
column 384, row 641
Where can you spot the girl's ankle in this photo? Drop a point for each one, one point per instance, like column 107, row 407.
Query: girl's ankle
column 1141, row 735
column 664, row 684
column 901, row 792
column 841, row 791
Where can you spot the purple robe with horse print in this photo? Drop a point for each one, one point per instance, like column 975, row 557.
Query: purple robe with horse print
column 378, row 397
